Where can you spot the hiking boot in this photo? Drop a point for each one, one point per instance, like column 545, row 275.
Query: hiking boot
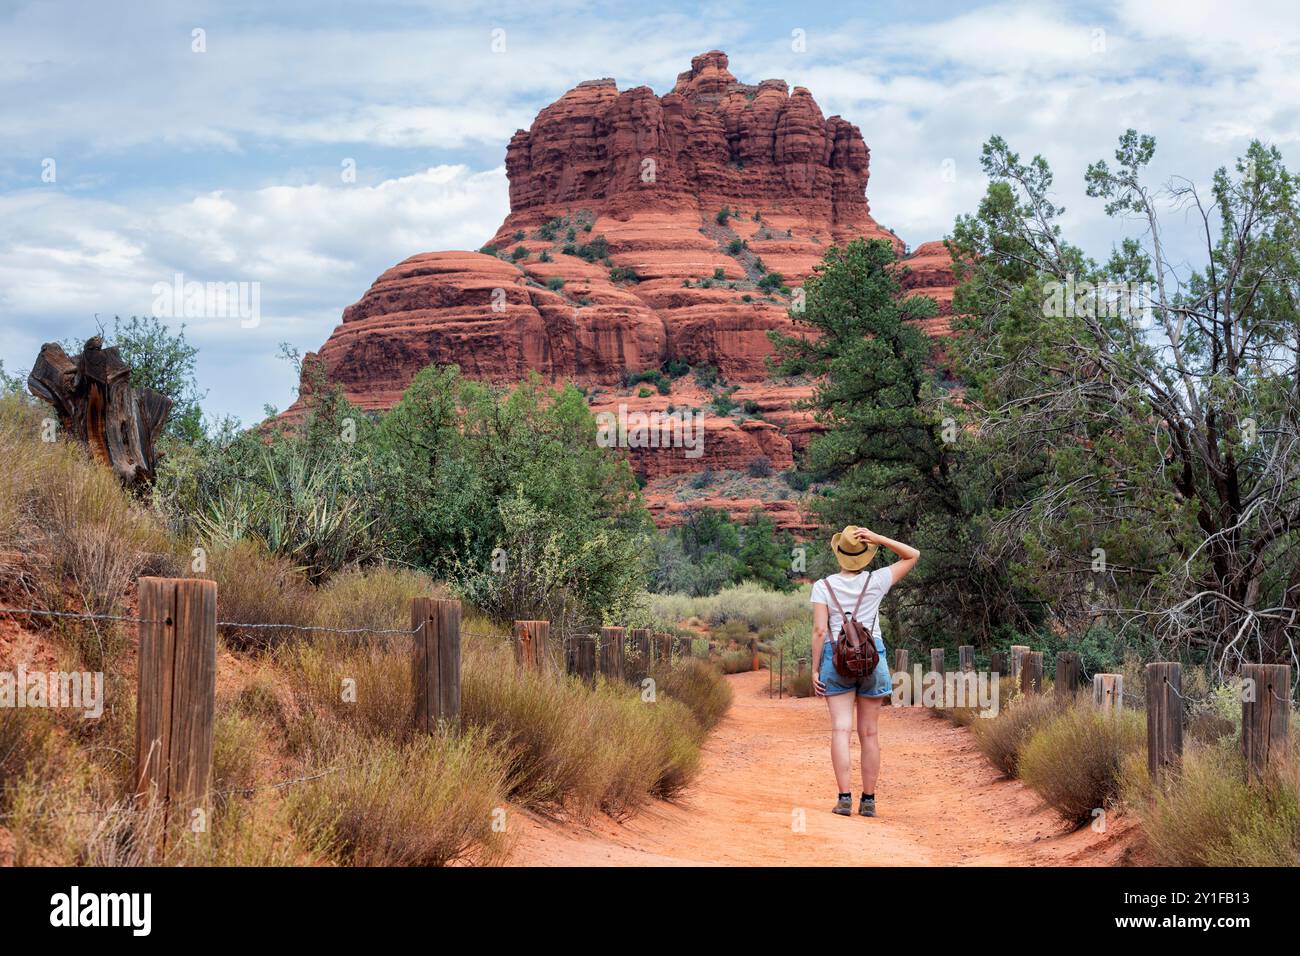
column 867, row 806
column 843, row 806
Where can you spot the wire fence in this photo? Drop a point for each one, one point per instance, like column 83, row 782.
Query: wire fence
column 566, row 640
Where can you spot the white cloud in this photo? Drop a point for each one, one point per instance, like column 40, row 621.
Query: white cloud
column 314, row 249
column 282, row 96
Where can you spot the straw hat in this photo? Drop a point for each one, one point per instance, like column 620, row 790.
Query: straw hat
column 851, row 553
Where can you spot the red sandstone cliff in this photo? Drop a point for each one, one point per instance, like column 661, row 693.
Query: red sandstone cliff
column 614, row 260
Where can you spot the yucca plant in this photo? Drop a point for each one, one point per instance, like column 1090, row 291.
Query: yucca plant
column 300, row 506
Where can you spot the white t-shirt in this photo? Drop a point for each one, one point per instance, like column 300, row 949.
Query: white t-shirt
column 847, row 589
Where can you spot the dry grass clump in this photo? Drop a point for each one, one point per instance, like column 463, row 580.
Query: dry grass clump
column 799, row 684
column 256, row 587
column 378, row 598
column 1210, row 815
column 367, row 687
column 574, row 749
column 737, row 661
column 427, row 802
column 1073, row 759
column 1000, row 738
column 699, row 686
column 70, row 539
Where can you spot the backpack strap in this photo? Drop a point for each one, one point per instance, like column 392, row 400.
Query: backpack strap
column 843, row 617
column 831, row 591
column 861, row 595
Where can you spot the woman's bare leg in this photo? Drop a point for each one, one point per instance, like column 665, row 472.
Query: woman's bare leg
column 868, row 719
column 841, row 709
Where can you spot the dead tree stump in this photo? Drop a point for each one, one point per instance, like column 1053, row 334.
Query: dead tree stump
column 96, row 404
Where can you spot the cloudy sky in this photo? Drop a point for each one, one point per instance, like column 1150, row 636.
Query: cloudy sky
column 141, row 140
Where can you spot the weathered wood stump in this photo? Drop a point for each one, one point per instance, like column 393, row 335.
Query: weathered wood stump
column 96, row 404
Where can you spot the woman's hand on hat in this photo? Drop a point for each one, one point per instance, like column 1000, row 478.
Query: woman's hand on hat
column 867, row 536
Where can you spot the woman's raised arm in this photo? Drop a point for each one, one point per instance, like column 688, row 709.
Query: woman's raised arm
column 907, row 555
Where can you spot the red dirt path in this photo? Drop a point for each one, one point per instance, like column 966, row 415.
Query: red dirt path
column 940, row 803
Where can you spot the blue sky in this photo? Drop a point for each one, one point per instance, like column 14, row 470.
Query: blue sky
column 224, row 164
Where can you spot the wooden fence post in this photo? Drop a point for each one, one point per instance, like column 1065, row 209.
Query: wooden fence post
column 659, row 649
column 612, row 652
column 1108, row 691
column 900, row 661
column 753, row 654
column 966, row 657
column 1265, row 717
column 936, row 660
column 998, row 662
column 1069, row 668
column 1164, row 717
column 436, row 662
column 531, row 639
column 640, row 638
column 1031, row 672
column 580, row 657
column 176, row 691
column 1018, row 652
column 685, row 647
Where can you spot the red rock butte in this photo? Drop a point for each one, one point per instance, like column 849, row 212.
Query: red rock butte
column 641, row 228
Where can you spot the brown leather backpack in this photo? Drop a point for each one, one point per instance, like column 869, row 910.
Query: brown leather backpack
column 855, row 655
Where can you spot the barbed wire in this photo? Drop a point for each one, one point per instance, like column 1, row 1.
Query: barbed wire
column 243, row 625
column 260, row 626
column 82, row 615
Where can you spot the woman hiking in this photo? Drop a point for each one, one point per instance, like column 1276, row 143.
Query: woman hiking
column 861, row 593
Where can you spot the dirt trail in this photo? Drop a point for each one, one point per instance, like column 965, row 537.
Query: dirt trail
column 940, row 803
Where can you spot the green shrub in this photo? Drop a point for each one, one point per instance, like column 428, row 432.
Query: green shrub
column 654, row 376
column 519, row 252
column 623, row 274
column 706, row 376
column 555, row 283
column 1073, row 759
column 797, row 480
column 596, row 249
column 723, row 403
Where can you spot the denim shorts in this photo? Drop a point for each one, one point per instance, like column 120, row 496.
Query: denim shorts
column 879, row 683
